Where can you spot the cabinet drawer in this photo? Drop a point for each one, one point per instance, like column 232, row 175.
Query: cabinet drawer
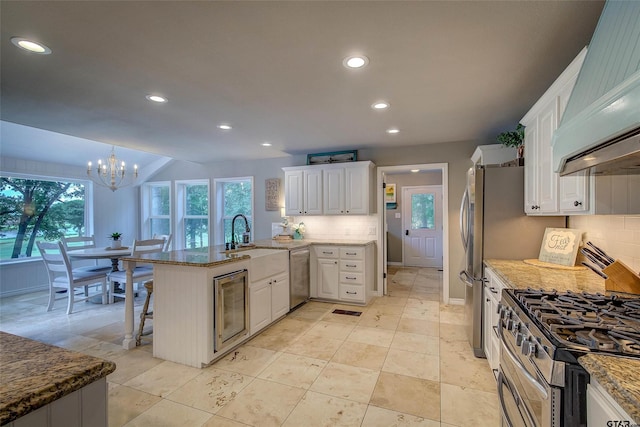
column 327, row 252
column 350, row 277
column 352, row 292
column 352, row 252
column 351, row 265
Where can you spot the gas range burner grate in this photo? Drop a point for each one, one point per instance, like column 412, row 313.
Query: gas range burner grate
column 587, row 321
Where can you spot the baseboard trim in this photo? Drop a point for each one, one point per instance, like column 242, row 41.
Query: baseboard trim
column 456, row 301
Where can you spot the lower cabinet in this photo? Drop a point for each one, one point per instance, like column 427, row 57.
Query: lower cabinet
column 268, row 301
column 342, row 273
column 490, row 316
column 602, row 410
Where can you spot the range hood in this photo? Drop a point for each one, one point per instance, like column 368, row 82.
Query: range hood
column 600, row 128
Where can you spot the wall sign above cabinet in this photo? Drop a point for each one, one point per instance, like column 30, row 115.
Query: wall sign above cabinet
column 333, row 157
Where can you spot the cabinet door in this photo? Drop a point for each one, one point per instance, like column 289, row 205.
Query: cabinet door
column 547, row 178
column 293, row 196
column 486, row 325
column 279, row 296
column 574, row 192
column 530, row 172
column 333, row 191
column 313, row 192
column 259, row 306
column 327, row 278
column 357, row 190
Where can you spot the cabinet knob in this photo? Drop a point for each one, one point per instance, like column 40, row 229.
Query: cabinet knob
column 577, row 203
column 534, row 207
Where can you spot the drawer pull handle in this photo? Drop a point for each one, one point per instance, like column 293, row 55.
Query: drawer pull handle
column 327, row 253
column 351, row 265
column 493, row 290
column 350, row 278
column 351, row 253
column 352, row 293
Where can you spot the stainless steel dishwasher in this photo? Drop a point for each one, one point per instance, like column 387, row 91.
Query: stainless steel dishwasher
column 299, row 278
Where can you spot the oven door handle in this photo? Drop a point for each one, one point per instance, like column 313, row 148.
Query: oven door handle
column 503, row 405
column 534, row 381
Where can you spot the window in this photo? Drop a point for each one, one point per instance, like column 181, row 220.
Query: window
column 233, row 196
column 192, row 214
column 39, row 208
column 156, row 208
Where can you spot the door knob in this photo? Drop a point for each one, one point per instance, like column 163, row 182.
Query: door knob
column 406, row 232
column 577, row 203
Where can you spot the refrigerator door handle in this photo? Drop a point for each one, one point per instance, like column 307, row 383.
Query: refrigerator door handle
column 464, row 220
column 466, row 279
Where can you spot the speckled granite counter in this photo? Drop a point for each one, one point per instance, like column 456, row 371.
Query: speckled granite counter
column 33, row 374
column 216, row 255
column 620, row 376
column 518, row 275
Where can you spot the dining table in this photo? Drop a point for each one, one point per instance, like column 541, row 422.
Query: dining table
column 102, row 253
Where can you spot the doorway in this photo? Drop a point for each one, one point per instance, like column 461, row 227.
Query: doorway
column 422, row 225
column 386, row 174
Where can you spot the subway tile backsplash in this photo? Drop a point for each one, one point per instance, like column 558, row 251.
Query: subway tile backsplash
column 618, row 235
column 341, row 227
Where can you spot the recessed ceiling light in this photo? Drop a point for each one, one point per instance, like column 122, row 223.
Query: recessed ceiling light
column 224, row 126
column 266, row 144
column 393, row 131
column 156, row 98
column 380, row 105
column 415, row 170
column 30, row 45
column 355, row 61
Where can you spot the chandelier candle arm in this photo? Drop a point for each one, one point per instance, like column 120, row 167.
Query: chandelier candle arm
column 112, row 173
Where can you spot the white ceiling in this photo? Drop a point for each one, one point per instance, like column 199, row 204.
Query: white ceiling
column 452, row 71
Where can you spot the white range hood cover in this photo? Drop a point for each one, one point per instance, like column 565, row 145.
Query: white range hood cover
column 605, row 102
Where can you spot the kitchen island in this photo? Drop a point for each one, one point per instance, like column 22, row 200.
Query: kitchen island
column 44, row 385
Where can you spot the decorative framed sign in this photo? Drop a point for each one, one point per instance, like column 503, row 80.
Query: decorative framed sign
column 272, row 194
column 390, row 193
column 560, row 246
column 333, row 157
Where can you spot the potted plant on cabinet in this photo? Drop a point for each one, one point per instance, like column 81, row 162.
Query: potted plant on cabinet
column 514, row 138
column 116, row 242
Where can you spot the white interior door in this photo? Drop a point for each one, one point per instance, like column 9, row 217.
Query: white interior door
column 422, row 225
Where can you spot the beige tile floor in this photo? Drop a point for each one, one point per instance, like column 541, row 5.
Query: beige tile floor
column 403, row 362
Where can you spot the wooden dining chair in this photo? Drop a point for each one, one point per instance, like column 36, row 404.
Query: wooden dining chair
column 84, row 242
column 63, row 276
column 142, row 272
column 167, row 240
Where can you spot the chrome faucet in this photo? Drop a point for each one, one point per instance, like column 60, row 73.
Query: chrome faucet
column 233, row 229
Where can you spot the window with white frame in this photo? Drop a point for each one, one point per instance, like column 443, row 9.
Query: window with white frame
column 35, row 208
column 233, row 196
column 192, row 214
column 156, row 209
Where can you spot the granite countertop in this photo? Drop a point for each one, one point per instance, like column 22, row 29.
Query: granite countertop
column 34, row 374
column 217, row 255
column 620, row 377
column 518, row 275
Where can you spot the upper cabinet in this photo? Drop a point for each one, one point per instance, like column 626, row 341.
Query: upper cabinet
column 546, row 193
column 336, row 189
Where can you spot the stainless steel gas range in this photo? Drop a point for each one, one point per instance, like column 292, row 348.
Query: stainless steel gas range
column 543, row 333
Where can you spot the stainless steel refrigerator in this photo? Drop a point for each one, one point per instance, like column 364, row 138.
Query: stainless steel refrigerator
column 493, row 225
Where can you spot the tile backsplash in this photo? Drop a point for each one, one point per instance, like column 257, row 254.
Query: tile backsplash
column 617, row 235
column 341, row 227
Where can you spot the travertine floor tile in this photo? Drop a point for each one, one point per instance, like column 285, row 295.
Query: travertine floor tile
column 346, row 382
column 458, row 366
column 361, row 355
column 313, row 346
column 373, row 336
column 335, row 331
column 421, row 327
column 127, row 403
column 210, row 390
column 416, row 343
column 131, row 364
column 409, row 395
column 294, row 370
column 170, row 414
column 320, row 410
column 380, row 417
column 412, row 364
column 380, row 320
column 480, row 408
column 247, row 360
column 263, row 403
column 164, row 378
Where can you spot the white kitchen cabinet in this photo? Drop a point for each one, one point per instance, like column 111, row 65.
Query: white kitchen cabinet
column 336, row 189
column 343, row 273
column 602, row 409
column 259, row 306
column 279, row 296
column 303, row 191
column 546, row 193
column 492, row 292
column 268, row 290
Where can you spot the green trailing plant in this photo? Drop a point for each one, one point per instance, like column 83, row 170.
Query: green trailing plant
column 514, row 138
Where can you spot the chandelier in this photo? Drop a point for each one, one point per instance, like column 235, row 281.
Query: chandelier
column 112, row 173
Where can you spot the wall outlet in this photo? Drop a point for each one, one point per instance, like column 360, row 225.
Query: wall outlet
column 398, row 215
column 372, row 231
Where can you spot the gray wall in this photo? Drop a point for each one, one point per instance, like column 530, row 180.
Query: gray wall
column 394, row 225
